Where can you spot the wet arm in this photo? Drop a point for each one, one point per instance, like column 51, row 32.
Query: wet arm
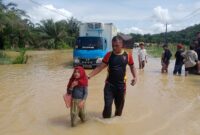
column 97, row 70
column 196, row 57
column 146, row 57
column 133, row 72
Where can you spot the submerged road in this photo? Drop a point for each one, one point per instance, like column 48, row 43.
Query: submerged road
column 31, row 100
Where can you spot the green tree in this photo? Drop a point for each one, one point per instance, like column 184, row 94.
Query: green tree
column 12, row 27
column 51, row 33
column 73, row 27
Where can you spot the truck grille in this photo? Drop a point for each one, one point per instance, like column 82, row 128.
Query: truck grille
column 88, row 61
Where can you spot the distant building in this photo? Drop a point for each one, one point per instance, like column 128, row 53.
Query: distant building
column 128, row 40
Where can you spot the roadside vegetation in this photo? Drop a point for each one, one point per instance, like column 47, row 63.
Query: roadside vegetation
column 17, row 30
column 18, row 34
column 21, row 58
column 185, row 37
column 156, row 50
column 8, row 57
column 4, row 59
column 155, row 41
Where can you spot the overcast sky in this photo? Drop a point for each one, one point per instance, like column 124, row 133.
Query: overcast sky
column 136, row 16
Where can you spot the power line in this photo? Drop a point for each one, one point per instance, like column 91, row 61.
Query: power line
column 189, row 16
column 194, row 13
column 52, row 10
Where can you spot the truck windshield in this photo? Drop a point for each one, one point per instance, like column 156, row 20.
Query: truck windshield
column 89, row 43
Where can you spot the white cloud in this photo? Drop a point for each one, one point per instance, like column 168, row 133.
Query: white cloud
column 153, row 29
column 47, row 12
column 129, row 16
column 133, row 30
column 161, row 15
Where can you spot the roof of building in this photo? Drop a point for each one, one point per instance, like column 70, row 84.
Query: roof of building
column 125, row 36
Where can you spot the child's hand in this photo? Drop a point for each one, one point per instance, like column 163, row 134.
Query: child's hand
column 74, row 83
column 81, row 104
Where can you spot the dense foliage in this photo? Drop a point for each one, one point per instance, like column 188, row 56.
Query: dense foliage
column 185, row 36
column 17, row 31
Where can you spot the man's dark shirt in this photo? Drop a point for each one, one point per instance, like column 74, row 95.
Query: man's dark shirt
column 117, row 66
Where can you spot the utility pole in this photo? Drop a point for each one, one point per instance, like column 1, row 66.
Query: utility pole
column 165, row 38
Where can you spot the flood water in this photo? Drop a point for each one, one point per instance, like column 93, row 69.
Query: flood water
column 31, row 100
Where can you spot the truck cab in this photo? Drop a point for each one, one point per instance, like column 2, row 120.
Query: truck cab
column 89, row 51
column 93, row 43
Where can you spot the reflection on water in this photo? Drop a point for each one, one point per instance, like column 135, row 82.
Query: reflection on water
column 31, row 100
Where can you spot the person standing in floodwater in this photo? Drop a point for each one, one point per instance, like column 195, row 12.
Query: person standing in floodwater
column 165, row 59
column 115, row 84
column 179, row 60
column 142, row 56
column 77, row 88
column 197, row 49
column 191, row 61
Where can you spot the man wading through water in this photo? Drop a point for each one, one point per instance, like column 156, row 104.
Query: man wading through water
column 115, row 84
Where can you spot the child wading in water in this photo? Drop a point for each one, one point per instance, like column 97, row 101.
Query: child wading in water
column 179, row 59
column 142, row 56
column 165, row 60
column 77, row 89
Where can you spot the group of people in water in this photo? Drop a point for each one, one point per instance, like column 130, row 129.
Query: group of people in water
column 190, row 58
column 115, row 84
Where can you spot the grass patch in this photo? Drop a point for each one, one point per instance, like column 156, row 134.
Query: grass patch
column 21, row 59
column 156, row 50
column 4, row 58
column 12, row 57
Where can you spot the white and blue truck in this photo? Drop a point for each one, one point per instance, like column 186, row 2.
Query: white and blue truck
column 93, row 43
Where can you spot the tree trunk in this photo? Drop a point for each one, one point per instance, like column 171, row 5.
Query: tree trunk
column 1, row 42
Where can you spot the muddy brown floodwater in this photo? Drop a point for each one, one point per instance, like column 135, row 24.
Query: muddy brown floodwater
column 31, row 100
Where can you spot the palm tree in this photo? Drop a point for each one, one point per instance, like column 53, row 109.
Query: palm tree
column 16, row 30
column 52, row 32
column 12, row 26
column 73, row 25
column 3, row 20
